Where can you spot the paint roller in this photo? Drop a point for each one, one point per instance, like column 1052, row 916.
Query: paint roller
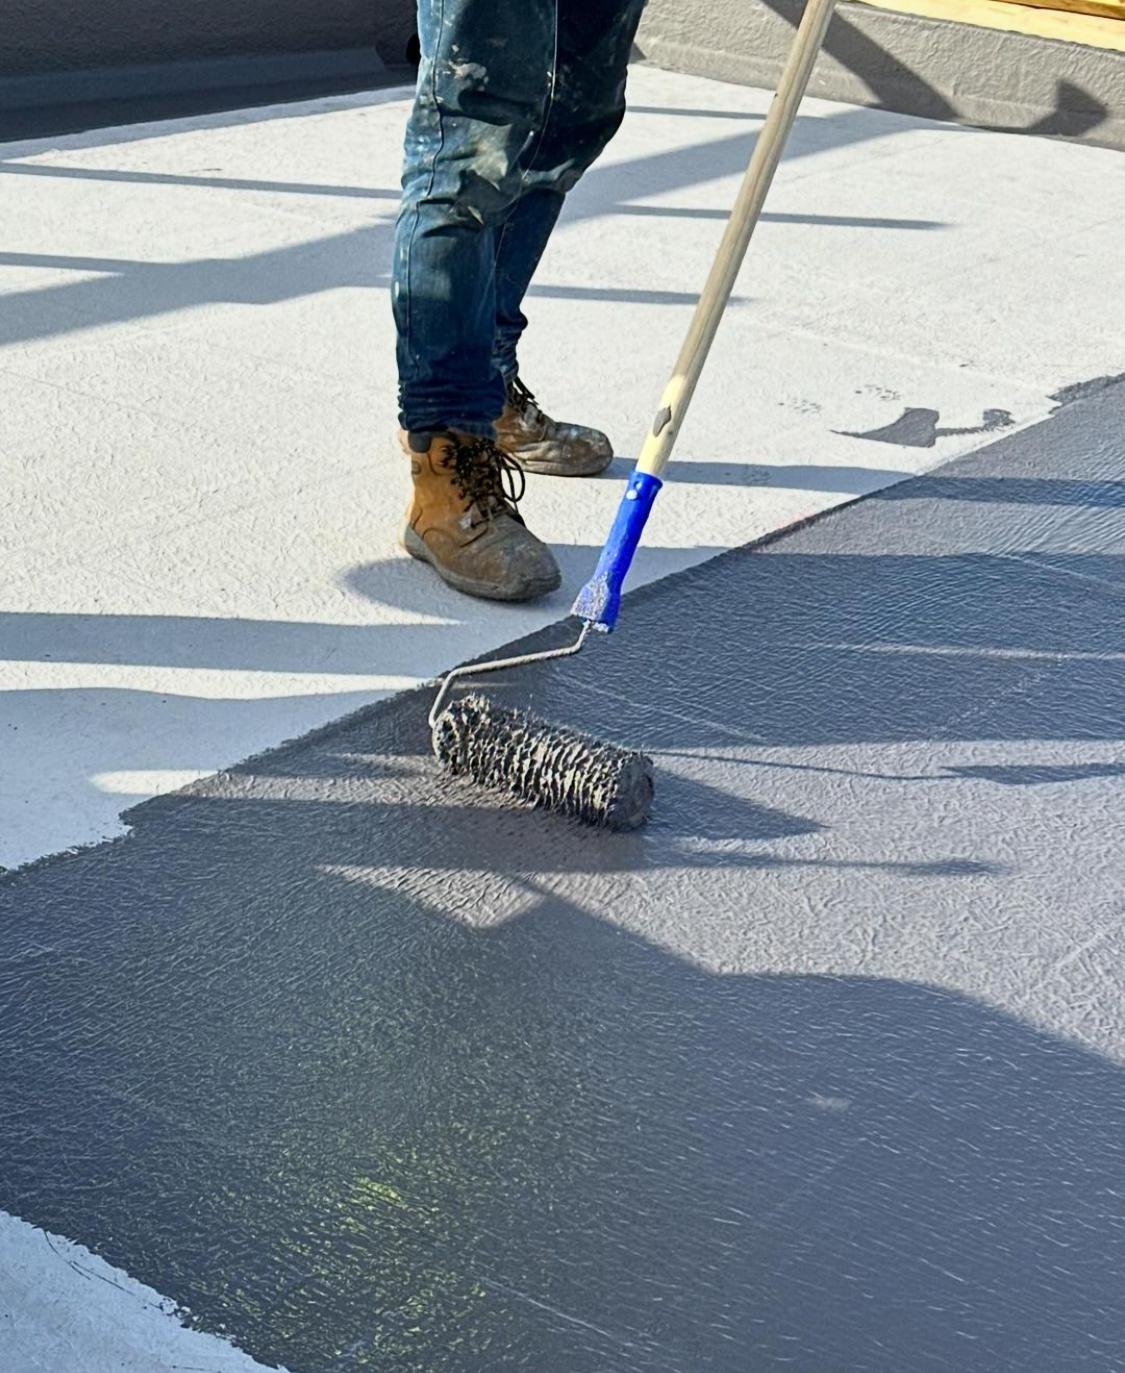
column 546, row 764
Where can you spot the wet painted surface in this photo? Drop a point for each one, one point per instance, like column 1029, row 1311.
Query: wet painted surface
column 824, row 1070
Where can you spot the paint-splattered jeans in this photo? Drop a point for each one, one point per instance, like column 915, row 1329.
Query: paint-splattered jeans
column 516, row 98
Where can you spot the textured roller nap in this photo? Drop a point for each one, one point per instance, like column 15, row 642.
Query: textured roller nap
column 514, row 752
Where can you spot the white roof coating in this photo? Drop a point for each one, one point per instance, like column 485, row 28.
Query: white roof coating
column 197, row 384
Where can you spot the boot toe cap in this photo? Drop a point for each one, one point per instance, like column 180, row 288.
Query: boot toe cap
column 523, row 568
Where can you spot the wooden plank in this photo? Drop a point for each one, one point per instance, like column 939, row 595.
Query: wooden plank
column 1104, row 9
column 1094, row 31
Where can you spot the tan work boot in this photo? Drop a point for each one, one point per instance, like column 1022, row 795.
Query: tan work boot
column 464, row 519
column 543, row 445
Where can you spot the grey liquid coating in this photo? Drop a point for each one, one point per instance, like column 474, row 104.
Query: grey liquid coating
column 823, row 1070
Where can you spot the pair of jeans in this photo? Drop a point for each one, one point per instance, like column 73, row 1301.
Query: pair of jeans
column 515, row 100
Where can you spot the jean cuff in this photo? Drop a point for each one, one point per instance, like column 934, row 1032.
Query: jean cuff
column 478, row 429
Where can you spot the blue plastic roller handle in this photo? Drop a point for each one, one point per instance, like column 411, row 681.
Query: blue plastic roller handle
column 599, row 601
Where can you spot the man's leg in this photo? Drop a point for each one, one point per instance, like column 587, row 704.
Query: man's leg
column 485, row 78
column 519, row 246
column 483, row 87
column 595, row 38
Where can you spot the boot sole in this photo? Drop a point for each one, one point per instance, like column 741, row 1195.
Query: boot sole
column 549, row 467
column 484, row 591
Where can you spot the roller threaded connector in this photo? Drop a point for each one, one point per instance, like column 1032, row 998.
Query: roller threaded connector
column 516, row 753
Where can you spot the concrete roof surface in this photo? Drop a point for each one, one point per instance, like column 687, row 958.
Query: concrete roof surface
column 196, row 378
column 362, row 1070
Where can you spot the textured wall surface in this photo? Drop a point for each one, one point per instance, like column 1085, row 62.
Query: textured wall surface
column 56, row 35
column 902, row 62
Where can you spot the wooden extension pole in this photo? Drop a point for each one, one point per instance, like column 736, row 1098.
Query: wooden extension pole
column 740, row 228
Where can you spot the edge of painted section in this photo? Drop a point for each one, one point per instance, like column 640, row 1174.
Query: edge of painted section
column 55, row 1315
column 549, row 636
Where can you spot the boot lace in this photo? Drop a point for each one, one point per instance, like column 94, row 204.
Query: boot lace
column 486, row 478
column 523, row 399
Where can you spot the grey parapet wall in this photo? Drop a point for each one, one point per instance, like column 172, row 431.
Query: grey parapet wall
column 79, row 63
column 38, row 36
column 929, row 67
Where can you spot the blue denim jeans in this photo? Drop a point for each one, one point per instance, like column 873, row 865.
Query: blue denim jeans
column 515, row 100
